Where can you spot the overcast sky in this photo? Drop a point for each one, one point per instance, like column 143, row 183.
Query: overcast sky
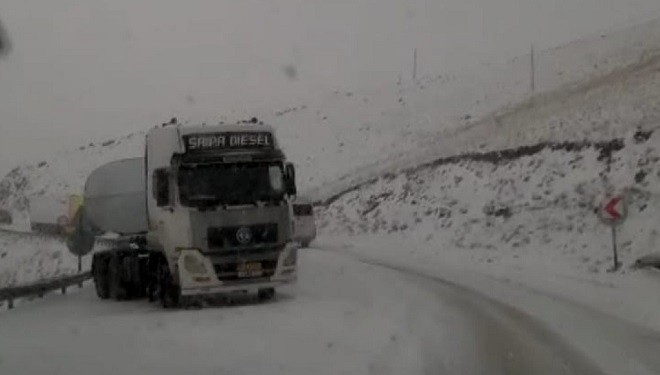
column 93, row 69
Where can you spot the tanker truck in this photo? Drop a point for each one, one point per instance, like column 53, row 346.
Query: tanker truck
column 207, row 211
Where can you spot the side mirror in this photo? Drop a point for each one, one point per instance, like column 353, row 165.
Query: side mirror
column 161, row 187
column 290, row 179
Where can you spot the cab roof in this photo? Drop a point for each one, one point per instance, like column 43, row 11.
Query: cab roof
column 201, row 129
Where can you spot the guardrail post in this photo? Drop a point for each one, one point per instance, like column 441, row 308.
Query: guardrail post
column 80, row 269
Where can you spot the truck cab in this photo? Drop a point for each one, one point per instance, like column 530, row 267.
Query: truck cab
column 218, row 203
column 210, row 207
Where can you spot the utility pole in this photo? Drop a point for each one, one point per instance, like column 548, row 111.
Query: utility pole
column 532, row 70
column 414, row 72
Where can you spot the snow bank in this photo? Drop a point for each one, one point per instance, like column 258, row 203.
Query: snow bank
column 27, row 258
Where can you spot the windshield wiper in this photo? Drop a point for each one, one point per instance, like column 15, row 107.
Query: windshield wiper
column 260, row 201
column 208, row 200
column 202, row 197
column 203, row 201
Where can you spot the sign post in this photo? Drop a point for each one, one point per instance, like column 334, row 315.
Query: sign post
column 613, row 212
column 80, row 268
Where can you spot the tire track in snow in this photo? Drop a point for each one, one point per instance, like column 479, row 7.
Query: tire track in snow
column 509, row 341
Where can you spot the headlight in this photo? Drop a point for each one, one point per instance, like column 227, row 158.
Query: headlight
column 193, row 264
column 291, row 259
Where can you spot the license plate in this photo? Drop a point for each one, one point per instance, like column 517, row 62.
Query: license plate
column 249, row 269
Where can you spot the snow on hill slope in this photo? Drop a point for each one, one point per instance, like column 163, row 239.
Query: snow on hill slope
column 523, row 206
column 64, row 174
column 531, row 203
column 603, row 108
column 347, row 136
column 514, row 195
column 605, row 83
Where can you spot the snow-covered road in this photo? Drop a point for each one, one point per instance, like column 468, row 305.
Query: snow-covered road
column 344, row 317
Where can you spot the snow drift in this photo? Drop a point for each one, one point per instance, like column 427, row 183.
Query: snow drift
column 27, row 258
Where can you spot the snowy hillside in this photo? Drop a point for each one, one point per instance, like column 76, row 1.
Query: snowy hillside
column 340, row 138
column 532, row 203
column 604, row 108
column 605, row 84
column 64, row 174
column 525, row 218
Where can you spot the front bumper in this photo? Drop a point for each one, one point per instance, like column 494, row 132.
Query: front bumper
column 204, row 280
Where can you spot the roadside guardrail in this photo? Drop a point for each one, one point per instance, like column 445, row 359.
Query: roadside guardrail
column 40, row 288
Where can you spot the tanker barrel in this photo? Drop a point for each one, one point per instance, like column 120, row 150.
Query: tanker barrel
column 115, row 197
column 114, row 201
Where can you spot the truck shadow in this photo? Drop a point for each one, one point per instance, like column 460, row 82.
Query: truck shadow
column 235, row 301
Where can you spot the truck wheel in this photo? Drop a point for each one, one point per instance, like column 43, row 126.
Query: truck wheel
column 100, row 272
column 115, row 279
column 134, row 285
column 152, row 276
column 191, row 303
column 266, row 294
column 168, row 292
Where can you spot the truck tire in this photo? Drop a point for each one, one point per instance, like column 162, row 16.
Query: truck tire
column 168, row 293
column 134, row 284
column 115, row 278
column 100, row 274
column 266, row 294
column 152, row 278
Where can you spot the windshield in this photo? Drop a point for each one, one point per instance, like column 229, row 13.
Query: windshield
column 231, row 184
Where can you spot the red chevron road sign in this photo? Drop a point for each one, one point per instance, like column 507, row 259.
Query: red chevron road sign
column 614, row 210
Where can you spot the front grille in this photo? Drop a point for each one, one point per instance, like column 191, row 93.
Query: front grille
column 229, row 271
column 227, row 237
